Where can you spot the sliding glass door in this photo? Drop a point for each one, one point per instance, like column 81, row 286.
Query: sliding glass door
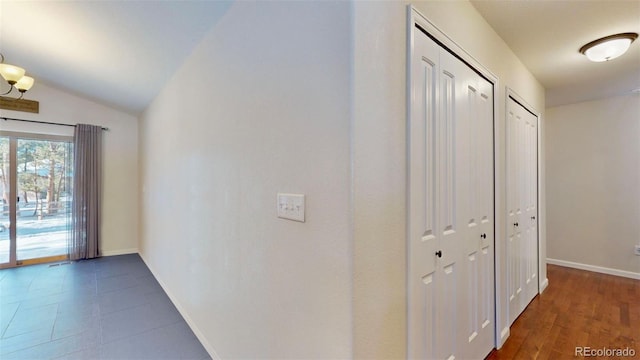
column 5, row 181
column 36, row 186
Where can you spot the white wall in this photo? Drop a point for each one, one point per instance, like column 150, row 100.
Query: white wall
column 311, row 98
column 379, row 157
column 593, row 182
column 120, row 210
column 261, row 106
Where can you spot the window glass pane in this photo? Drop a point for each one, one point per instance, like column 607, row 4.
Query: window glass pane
column 4, row 191
column 44, row 198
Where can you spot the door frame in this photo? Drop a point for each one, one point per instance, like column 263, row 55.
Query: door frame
column 415, row 17
column 13, row 137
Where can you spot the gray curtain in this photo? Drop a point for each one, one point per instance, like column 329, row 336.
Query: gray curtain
column 84, row 242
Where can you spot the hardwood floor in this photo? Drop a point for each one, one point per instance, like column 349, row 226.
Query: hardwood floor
column 578, row 309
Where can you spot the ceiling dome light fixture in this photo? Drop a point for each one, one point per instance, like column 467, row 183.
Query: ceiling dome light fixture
column 609, row 47
column 14, row 75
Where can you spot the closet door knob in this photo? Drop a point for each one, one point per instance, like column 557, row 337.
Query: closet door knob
column 533, row 218
column 439, row 253
column 515, row 224
column 484, row 236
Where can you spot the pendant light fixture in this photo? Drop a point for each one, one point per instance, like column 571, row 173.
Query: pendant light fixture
column 609, row 47
column 15, row 77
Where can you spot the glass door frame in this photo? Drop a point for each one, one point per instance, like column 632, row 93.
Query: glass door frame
column 13, row 196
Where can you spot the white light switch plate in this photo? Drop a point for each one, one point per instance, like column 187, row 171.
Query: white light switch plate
column 291, row 206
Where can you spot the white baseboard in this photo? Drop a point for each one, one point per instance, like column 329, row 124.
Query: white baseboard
column 598, row 269
column 544, row 285
column 120, row 252
column 504, row 335
column 207, row 346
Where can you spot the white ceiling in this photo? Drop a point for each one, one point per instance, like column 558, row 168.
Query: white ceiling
column 121, row 53
column 546, row 36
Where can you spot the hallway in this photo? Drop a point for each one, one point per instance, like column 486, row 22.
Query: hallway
column 578, row 309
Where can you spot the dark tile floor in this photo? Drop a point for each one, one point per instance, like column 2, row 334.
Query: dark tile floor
column 107, row 308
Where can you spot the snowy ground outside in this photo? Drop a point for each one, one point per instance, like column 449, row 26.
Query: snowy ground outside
column 35, row 238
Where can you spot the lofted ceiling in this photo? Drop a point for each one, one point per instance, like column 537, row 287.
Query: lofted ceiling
column 119, row 53
column 546, row 36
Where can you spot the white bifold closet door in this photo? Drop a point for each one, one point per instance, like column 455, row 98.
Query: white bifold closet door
column 451, row 207
column 522, row 207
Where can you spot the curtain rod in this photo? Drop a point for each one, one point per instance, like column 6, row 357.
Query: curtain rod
column 42, row 122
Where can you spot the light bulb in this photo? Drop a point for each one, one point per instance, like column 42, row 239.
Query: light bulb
column 11, row 73
column 25, row 83
column 608, row 50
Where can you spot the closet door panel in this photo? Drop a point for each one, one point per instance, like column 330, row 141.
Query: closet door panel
column 450, row 201
column 423, row 233
column 475, row 129
column 450, row 310
column 522, row 197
